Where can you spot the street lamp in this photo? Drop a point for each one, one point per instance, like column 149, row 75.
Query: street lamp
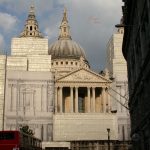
column 108, row 130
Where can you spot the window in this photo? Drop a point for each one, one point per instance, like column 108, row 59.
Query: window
column 7, row 136
column 30, row 28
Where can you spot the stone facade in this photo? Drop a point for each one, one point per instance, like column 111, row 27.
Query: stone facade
column 84, row 126
column 82, row 107
column 136, row 51
column 117, row 67
column 29, row 86
column 27, row 46
column 29, row 100
column 2, row 89
column 71, row 106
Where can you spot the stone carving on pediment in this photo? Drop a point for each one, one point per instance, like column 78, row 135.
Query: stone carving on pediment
column 82, row 77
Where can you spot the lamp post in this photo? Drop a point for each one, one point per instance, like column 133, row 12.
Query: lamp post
column 108, row 131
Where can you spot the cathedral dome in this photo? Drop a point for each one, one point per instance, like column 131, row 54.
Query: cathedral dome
column 66, row 48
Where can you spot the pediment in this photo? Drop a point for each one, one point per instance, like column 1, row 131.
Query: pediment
column 83, row 75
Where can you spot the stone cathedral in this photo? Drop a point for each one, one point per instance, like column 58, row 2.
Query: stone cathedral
column 53, row 90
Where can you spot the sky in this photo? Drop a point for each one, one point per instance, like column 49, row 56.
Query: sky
column 92, row 23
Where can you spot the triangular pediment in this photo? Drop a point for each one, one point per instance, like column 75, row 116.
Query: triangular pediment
column 83, row 75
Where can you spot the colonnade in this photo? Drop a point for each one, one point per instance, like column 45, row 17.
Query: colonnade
column 94, row 101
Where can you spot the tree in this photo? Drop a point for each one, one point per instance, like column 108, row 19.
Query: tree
column 25, row 129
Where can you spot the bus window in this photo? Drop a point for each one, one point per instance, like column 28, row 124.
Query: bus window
column 7, row 136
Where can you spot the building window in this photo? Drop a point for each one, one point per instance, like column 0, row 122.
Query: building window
column 61, row 62
column 56, row 63
column 71, row 63
column 66, row 62
column 30, row 28
column 76, row 63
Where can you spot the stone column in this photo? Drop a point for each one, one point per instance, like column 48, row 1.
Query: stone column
column 11, row 98
column 32, row 102
column 38, row 130
column 44, row 98
column 14, row 97
column 93, row 98
column 109, row 103
column 45, row 132
column 60, row 98
column 119, row 98
column 56, row 105
column 71, row 99
column 76, row 99
column 89, row 98
column 104, row 100
column 41, row 97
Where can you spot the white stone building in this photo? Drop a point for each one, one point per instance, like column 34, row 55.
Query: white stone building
column 117, row 67
column 71, row 109
column 82, row 105
column 2, row 89
column 29, row 85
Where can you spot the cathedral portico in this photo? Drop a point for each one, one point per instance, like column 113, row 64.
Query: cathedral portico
column 81, row 95
column 82, row 107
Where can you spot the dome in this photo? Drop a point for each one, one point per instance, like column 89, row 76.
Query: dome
column 66, row 48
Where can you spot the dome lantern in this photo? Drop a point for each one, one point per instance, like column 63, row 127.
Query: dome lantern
column 31, row 28
column 64, row 27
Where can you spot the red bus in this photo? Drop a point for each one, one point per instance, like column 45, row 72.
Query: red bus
column 16, row 140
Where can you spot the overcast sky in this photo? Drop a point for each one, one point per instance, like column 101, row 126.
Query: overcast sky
column 91, row 21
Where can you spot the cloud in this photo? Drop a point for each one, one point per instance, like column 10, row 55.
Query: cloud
column 2, row 44
column 49, row 33
column 7, row 21
column 92, row 22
